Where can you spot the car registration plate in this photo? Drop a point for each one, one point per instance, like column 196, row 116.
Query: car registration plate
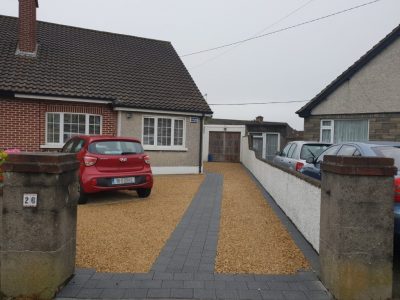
column 123, row 180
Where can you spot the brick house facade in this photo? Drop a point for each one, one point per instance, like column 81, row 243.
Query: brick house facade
column 57, row 81
column 23, row 121
column 363, row 103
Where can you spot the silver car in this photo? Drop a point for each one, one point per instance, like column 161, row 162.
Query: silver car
column 295, row 154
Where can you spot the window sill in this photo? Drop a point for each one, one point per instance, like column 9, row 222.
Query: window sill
column 164, row 148
column 51, row 146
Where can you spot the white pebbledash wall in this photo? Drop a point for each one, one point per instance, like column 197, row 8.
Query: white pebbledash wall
column 300, row 200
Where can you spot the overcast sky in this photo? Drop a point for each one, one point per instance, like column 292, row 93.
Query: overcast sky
column 293, row 65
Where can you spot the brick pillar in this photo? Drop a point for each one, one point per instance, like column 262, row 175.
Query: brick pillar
column 356, row 237
column 37, row 242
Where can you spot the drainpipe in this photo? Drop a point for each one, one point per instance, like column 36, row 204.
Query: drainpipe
column 201, row 144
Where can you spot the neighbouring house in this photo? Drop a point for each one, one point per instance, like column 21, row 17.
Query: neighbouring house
column 57, row 81
column 363, row 103
column 222, row 138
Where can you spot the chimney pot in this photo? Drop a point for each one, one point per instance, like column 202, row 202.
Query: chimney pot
column 27, row 39
column 259, row 119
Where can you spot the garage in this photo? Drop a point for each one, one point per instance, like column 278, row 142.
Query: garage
column 224, row 146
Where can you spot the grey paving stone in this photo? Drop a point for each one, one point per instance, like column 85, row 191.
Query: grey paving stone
column 215, row 284
column 143, row 276
column 182, row 293
column 244, row 277
column 89, row 293
column 163, row 276
column 224, row 277
column 314, row 285
column 193, row 284
column 255, row 285
column 158, row 293
column 249, row 294
column 129, row 284
column 113, row 293
column 227, row 294
column 172, row 284
column 151, row 284
column 69, row 291
column 80, row 279
column 104, row 276
column 135, row 293
column 236, row 285
column 204, row 294
column 294, row 295
column 206, row 267
column 272, row 295
column 318, row 295
column 203, row 276
column 122, row 276
column 91, row 283
column 106, row 284
column 279, row 285
column 183, row 276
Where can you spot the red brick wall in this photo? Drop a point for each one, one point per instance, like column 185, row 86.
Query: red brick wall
column 22, row 122
column 27, row 26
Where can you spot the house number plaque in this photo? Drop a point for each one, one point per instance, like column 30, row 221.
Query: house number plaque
column 30, row 200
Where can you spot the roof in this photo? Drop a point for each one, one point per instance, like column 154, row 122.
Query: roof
column 242, row 122
column 74, row 62
column 305, row 111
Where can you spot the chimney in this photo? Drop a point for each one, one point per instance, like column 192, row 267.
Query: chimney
column 27, row 41
column 259, row 119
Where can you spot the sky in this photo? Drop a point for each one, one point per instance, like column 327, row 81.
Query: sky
column 291, row 65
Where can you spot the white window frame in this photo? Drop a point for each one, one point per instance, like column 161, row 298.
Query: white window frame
column 61, row 144
column 264, row 154
column 165, row 148
column 332, row 127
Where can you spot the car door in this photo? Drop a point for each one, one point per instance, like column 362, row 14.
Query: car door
column 280, row 158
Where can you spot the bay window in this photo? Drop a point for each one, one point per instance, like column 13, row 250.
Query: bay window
column 163, row 132
column 61, row 126
column 337, row 131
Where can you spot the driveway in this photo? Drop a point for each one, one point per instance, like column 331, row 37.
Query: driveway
column 185, row 268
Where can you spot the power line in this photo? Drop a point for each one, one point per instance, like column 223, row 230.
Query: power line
column 258, row 103
column 254, row 35
column 282, row 29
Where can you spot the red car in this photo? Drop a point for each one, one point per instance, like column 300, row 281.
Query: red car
column 110, row 163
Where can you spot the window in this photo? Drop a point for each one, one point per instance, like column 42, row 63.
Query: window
column 163, row 132
column 347, row 150
column 337, row 131
column 61, row 126
column 291, row 150
column 115, row 148
column 286, row 150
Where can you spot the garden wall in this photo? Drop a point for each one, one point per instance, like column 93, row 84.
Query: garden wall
column 298, row 196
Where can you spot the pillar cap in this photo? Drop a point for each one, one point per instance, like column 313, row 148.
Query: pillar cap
column 362, row 166
column 40, row 162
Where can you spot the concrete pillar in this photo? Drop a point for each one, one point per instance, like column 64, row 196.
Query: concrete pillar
column 37, row 241
column 356, row 237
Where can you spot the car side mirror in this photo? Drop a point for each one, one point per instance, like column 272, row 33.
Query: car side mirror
column 310, row 160
column 278, row 153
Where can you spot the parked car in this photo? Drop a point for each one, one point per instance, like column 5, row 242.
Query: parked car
column 295, row 154
column 384, row 149
column 110, row 163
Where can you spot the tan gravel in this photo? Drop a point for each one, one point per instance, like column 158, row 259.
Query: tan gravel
column 119, row 232
column 251, row 238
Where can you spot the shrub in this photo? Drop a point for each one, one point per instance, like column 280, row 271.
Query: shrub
column 3, row 156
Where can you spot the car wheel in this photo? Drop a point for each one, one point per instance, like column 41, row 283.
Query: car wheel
column 143, row 193
column 82, row 196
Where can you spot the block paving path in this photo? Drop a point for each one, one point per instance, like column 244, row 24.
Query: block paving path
column 185, row 266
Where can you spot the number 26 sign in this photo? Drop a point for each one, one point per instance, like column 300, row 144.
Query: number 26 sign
column 30, row 200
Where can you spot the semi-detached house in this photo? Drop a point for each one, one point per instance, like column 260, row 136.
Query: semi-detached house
column 57, row 81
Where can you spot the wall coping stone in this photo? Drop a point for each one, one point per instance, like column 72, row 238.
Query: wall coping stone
column 364, row 166
column 40, row 162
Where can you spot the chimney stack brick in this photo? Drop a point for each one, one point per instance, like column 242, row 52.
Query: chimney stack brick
column 27, row 39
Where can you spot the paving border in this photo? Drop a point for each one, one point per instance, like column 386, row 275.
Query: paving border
column 185, row 266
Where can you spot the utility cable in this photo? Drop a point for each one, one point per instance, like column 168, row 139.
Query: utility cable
column 254, row 35
column 282, row 29
column 258, row 103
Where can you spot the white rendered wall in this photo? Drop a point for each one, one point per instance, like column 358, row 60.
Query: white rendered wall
column 300, row 200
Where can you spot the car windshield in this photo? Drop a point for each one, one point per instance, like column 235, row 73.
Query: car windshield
column 391, row 152
column 115, row 147
column 312, row 150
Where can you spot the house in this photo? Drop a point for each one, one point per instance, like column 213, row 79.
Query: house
column 363, row 103
column 222, row 138
column 57, row 81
